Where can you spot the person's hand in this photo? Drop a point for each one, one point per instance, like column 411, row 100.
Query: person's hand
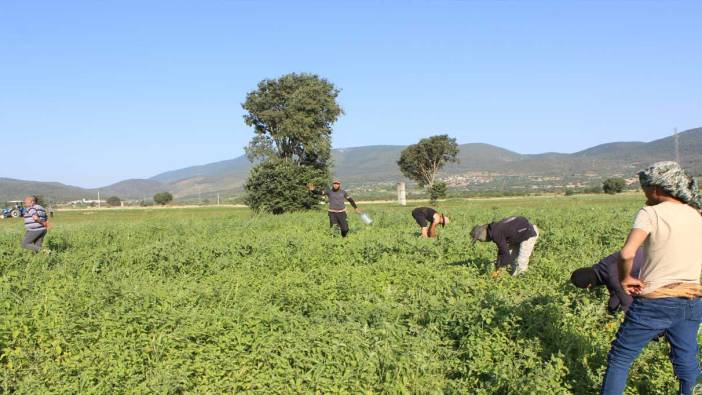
column 35, row 218
column 358, row 210
column 632, row 286
column 310, row 186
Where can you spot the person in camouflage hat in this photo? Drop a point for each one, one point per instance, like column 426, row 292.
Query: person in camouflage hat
column 666, row 294
column 674, row 181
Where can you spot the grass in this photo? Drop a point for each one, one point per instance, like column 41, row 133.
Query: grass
column 213, row 300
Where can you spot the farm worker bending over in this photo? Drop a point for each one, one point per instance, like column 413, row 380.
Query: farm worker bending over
column 337, row 206
column 427, row 218
column 35, row 222
column 515, row 238
column 606, row 272
column 666, row 294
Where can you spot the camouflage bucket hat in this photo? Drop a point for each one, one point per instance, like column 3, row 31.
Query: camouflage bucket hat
column 674, row 180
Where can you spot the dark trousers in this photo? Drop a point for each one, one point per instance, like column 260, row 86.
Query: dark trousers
column 33, row 239
column 339, row 219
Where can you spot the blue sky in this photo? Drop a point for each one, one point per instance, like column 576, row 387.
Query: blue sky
column 99, row 91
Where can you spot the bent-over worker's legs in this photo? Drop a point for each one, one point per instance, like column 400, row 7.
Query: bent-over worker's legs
column 526, row 248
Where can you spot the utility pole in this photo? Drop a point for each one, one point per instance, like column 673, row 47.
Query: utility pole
column 677, row 145
column 218, row 199
column 98, row 198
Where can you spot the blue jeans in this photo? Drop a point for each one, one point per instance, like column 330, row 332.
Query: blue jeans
column 644, row 320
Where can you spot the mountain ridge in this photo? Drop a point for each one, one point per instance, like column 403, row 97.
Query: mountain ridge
column 376, row 164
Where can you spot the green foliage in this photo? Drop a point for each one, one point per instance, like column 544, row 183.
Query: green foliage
column 114, row 201
column 292, row 117
column 437, row 191
column 224, row 300
column 163, row 198
column 613, row 185
column 422, row 161
column 278, row 185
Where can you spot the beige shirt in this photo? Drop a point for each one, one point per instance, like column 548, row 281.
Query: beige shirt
column 673, row 248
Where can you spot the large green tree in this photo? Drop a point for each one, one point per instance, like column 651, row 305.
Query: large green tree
column 292, row 117
column 421, row 162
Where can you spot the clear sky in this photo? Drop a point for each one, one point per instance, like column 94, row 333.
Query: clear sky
column 93, row 92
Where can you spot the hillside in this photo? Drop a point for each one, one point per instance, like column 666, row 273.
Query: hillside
column 372, row 165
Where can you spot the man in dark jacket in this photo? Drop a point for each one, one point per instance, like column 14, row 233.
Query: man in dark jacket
column 606, row 272
column 515, row 238
column 337, row 205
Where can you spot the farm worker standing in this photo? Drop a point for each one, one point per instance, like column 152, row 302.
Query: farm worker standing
column 337, row 206
column 666, row 294
column 606, row 272
column 515, row 238
column 35, row 222
column 427, row 218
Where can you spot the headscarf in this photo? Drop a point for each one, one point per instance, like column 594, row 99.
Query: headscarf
column 674, row 181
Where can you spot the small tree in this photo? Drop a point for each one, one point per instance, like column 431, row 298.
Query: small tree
column 437, row 191
column 114, row 201
column 163, row 198
column 613, row 185
column 421, row 162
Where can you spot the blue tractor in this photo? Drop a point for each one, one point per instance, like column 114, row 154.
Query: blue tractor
column 15, row 210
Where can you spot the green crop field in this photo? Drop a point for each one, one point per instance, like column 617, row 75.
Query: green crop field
column 223, row 300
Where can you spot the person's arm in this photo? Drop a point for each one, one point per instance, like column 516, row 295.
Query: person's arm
column 32, row 212
column 630, row 284
column 317, row 191
column 503, row 256
column 425, row 232
column 350, row 199
column 432, row 229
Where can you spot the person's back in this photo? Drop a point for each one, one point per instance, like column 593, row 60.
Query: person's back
column 513, row 230
column 30, row 212
column 672, row 248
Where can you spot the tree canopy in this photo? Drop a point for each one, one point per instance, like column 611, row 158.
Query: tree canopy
column 163, row 198
column 421, row 162
column 292, row 117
